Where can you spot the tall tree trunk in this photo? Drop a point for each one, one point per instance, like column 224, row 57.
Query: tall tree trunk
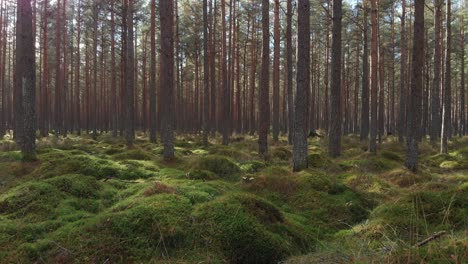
column 334, row 147
column 94, row 118
column 435, row 94
column 114, row 112
column 45, row 77
column 374, row 80
column 276, row 74
column 25, row 86
column 403, row 63
column 206, row 76
column 365, row 77
column 264, row 94
column 300, row 147
column 463, row 117
column 130, row 78
column 166, row 9
column 289, row 71
column 447, row 112
column 152, row 79
column 224, row 79
column 414, row 113
column 58, row 82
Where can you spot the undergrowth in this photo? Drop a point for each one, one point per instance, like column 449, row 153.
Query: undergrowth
column 87, row 201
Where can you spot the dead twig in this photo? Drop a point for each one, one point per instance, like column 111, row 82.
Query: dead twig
column 429, row 239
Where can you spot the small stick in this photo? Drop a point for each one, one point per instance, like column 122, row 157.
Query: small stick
column 429, row 239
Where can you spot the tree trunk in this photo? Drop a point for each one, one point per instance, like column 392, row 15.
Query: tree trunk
column 166, row 9
column 224, row 79
column 447, row 112
column 365, row 78
column 374, row 80
column 206, row 76
column 414, row 113
column 435, row 94
column 403, row 62
column 300, row 147
column 25, row 86
column 264, row 94
column 289, row 72
column 129, row 78
column 276, row 74
column 334, row 147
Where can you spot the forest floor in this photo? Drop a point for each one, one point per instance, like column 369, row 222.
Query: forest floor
column 87, row 201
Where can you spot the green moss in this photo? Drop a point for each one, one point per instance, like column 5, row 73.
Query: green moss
column 420, row 213
column 91, row 166
column 201, row 175
column 404, row 178
column 253, row 166
column 370, row 163
column 220, row 165
column 133, row 154
column 248, row 229
column 454, row 165
column 391, row 156
column 318, row 160
column 438, row 159
column 36, row 199
column 10, row 156
column 77, row 185
column 281, row 153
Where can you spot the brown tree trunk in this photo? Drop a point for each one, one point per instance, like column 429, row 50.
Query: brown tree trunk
column 300, row 159
column 447, row 112
column 334, row 147
column 25, row 85
column 224, row 79
column 130, row 78
column 264, row 94
column 414, row 113
column 276, row 74
column 206, row 76
column 166, row 9
column 58, row 81
column 365, row 78
column 374, row 80
column 403, row 64
column 435, row 93
column 289, row 71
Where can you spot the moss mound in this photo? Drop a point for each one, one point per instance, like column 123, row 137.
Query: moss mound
column 281, row 153
column 222, row 166
column 318, row 160
column 370, row 163
column 91, row 166
column 405, row 178
column 247, row 229
column 253, row 166
column 203, row 175
column 133, row 154
column 419, row 213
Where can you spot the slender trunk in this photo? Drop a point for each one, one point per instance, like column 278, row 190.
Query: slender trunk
column 414, row 113
column 334, row 147
column 289, row 72
column 300, row 159
column 25, row 88
column 276, row 73
column 365, row 78
column 374, row 80
column 447, row 112
column 166, row 9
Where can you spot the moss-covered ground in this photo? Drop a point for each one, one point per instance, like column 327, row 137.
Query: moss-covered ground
column 97, row 201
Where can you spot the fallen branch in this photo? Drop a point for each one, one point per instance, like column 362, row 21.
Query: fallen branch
column 429, row 239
